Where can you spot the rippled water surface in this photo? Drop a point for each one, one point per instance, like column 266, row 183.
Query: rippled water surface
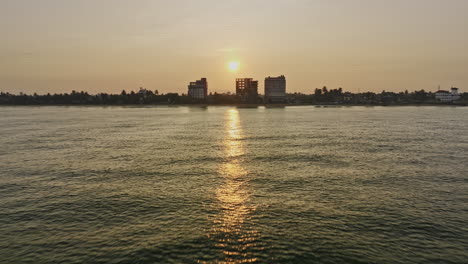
column 233, row 185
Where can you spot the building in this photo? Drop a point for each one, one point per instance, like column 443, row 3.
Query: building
column 142, row 91
column 446, row 96
column 347, row 97
column 275, row 89
column 247, row 90
column 198, row 90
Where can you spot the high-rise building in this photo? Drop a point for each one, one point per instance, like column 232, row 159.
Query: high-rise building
column 247, row 90
column 275, row 89
column 199, row 89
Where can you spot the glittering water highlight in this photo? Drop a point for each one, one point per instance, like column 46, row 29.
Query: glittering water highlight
column 233, row 185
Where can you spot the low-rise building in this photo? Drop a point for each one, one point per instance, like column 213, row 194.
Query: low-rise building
column 142, row 91
column 347, row 97
column 198, row 90
column 446, row 96
column 275, row 89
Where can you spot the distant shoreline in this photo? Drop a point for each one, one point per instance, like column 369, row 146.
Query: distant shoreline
column 321, row 97
column 234, row 105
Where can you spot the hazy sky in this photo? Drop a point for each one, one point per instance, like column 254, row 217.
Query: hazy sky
column 110, row 45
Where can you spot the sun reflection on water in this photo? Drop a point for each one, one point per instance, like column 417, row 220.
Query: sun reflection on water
column 233, row 231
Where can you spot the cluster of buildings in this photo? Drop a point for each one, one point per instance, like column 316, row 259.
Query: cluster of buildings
column 275, row 92
column 246, row 90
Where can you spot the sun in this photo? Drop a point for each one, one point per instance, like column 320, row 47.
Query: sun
column 234, row 65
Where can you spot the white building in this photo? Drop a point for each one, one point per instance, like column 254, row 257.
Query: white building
column 446, row 96
column 275, row 89
column 198, row 90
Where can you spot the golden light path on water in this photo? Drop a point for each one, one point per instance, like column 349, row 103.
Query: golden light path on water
column 232, row 231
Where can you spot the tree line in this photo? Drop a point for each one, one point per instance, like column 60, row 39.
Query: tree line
column 143, row 96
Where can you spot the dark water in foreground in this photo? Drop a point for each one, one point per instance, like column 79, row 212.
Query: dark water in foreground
column 228, row 185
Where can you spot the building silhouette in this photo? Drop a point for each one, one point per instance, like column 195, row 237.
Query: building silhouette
column 198, row 90
column 275, row 89
column 247, row 90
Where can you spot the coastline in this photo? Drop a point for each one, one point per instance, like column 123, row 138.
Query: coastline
column 238, row 105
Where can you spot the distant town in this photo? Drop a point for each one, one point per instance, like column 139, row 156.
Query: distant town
column 246, row 93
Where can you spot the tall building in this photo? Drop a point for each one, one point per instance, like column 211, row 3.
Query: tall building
column 275, row 89
column 247, row 90
column 199, row 89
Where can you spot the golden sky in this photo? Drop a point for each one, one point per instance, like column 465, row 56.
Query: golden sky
column 111, row 45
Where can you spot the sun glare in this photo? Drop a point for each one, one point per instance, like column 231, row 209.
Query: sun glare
column 234, row 65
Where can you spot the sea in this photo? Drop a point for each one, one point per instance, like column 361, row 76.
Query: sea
column 299, row 184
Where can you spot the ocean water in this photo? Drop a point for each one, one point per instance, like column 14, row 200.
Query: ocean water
column 233, row 185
